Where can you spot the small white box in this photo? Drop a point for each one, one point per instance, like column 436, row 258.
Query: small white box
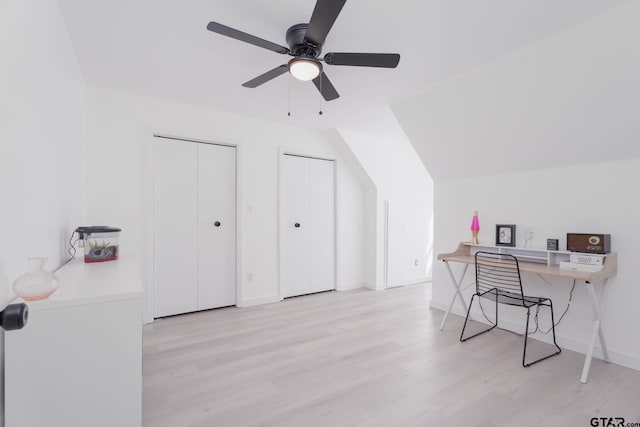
column 589, row 259
column 564, row 265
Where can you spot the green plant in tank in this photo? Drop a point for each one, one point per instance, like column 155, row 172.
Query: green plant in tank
column 96, row 245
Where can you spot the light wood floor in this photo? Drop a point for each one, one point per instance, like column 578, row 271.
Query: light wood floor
column 363, row 358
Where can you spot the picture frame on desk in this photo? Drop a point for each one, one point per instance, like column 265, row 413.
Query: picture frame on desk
column 505, row 235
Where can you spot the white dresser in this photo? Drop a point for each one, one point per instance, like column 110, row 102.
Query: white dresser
column 78, row 361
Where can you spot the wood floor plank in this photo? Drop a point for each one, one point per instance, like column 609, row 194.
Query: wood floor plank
column 362, row 358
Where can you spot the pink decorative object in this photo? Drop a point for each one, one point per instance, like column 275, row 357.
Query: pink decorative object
column 37, row 283
column 475, row 228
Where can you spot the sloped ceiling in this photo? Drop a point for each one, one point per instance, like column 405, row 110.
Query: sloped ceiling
column 161, row 48
column 571, row 98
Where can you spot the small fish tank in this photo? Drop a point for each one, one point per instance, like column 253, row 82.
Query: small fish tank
column 101, row 243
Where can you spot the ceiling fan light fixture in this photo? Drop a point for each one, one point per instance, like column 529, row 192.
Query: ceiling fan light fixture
column 305, row 68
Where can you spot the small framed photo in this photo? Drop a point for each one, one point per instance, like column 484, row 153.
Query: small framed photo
column 505, row 235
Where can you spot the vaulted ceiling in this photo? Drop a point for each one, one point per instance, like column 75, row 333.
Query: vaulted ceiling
column 161, row 48
column 570, row 98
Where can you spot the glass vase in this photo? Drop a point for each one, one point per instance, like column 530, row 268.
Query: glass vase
column 37, row 283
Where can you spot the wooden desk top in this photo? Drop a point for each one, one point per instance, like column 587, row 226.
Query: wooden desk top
column 610, row 266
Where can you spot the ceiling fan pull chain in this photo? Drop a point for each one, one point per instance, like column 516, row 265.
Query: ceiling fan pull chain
column 288, row 98
column 320, row 97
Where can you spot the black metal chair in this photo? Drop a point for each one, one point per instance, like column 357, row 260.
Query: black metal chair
column 498, row 279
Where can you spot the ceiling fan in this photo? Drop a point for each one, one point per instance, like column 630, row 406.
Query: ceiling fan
column 305, row 44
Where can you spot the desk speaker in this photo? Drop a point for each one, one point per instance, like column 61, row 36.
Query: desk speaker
column 589, row 243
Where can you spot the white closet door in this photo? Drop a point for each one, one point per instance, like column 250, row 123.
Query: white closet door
column 216, row 226
column 322, row 222
column 308, row 249
column 175, row 227
column 295, row 224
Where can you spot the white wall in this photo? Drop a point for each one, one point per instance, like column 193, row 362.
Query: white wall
column 402, row 180
column 546, row 137
column 369, row 222
column 120, row 129
column 42, row 189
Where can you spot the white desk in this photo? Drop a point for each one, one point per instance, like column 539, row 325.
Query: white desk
column 463, row 255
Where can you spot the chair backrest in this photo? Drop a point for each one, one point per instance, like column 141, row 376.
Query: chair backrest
column 498, row 274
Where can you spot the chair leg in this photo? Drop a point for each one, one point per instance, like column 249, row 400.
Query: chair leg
column 467, row 319
column 496, row 309
column 553, row 328
column 526, row 336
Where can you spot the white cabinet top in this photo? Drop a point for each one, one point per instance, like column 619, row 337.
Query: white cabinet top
column 89, row 283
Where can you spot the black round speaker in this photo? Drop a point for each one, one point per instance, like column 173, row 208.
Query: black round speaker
column 14, row 316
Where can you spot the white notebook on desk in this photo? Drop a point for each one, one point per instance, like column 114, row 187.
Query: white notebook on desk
column 565, row 265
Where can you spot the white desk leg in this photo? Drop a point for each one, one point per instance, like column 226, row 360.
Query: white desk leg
column 592, row 344
column 458, row 294
column 597, row 303
column 602, row 301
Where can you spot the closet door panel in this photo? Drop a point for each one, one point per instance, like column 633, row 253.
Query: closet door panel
column 295, row 210
column 216, row 226
column 175, row 227
column 321, row 225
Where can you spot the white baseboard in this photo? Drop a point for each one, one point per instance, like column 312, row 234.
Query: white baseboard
column 619, row 358
column 349, row 286
column 413, row 281
column 372, row 286
column 147, row 318
column 443, row 306
column 259, row 301
column 408, row 282
column 564, row 341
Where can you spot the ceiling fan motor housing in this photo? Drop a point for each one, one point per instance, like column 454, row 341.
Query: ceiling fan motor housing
column 297, row 43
